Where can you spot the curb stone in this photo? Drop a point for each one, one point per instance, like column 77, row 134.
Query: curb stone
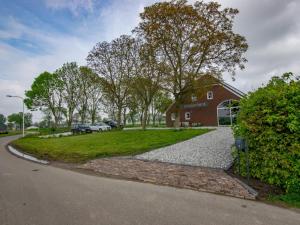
column 250, row 189
column 17, row 153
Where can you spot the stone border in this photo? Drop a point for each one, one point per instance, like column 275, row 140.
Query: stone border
column 19, row 154
column 64, row 134
column 250, row 189
column 195, row 178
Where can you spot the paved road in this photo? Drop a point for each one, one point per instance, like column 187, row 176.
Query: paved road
column 33, row 194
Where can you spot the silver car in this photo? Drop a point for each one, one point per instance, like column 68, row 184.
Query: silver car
column 99, row 127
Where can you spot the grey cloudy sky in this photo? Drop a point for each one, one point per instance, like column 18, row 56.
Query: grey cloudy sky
column 31, row 43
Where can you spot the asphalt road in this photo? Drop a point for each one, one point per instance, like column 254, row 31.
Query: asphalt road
column 33, row 194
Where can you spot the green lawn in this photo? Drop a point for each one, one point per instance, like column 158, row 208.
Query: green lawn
column 290, row 199
column 84, row 147
column 40, row 131
column 148, row 126
column 46, row 131
column 11, row 133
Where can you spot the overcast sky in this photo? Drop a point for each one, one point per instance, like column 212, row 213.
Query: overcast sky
column 40, row 35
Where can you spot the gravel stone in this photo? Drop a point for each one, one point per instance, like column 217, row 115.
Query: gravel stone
column 212, row 149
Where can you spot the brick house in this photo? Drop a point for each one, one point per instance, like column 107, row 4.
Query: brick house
column 213, row 107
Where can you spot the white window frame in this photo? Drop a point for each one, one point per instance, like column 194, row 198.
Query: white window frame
column 173, row 116
column 187, row 117
column 194, row 98
column 210, row 95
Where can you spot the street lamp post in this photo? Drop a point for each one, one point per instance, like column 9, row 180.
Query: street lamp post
column 23, row 120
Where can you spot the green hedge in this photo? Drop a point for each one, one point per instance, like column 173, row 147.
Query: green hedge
column 269, row 119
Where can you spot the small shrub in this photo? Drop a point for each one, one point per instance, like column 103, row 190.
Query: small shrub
column 269, row 119
column 293, row 186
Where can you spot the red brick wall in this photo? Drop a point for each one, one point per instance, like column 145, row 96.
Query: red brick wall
column 207, row 116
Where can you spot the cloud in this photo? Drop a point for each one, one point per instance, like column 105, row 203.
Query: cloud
column 7, row 87
column 74, row 6
column 272, row 30
column 11, row 30
column 19, row 67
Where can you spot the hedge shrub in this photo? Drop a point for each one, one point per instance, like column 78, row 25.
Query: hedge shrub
column 269, row 119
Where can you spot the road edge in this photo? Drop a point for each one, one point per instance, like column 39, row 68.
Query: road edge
column 22, row 155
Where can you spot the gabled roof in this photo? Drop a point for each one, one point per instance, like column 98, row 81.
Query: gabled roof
column 233, row 89
column 228, row 87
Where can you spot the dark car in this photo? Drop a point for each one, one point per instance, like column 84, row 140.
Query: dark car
column 3, row 129
column 80, row 128
column 113, row 124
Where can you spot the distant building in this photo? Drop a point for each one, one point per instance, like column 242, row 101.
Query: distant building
column 213, row 107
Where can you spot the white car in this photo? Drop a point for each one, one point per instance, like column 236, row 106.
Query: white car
column 100, row 127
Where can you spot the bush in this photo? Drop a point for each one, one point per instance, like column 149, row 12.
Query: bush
column 269, row 119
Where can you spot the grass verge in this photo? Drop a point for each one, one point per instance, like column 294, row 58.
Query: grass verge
column 47, row 131
column 269, row 193
column 10, row 133
column 290, row 199
column 115, row 143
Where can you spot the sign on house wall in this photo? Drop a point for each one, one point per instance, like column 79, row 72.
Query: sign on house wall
column 198, row 105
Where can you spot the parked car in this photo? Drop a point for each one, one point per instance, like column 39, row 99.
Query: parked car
column 113, row 124
column 81, row 128
column 100, row 127
column 3, row 129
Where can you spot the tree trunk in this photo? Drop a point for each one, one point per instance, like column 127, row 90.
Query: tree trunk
column 119, row 115
column 153, row 119
column 132, row 118
column 141, row 117
column 145, row 119
column 82, row 118
column 153, row 113
column 148, row 119
column 177, row 120
column 93, row 116
column 159, row 119
column 177, row 113
column 55, row 121
column 55, row 117
column 124, row 117
column 70, row 118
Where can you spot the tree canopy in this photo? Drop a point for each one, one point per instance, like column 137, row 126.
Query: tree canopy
column 45, row 93
column 114, row 63
column 192, row 40
column 2, row 119
column 17, row 119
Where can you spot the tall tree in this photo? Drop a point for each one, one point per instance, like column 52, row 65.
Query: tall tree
column 69, row 75
column 133, row 107
column 46, row 120
column 2, row 119
column 161, row 102
column 84, row 84
column 94, row 95
column 46, row 94
column 17, row 119
column 148, row 76
column 113, row 62
column 192, row 40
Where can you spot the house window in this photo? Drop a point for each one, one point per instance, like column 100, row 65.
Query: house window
column 210, row 95
column 173, row 116
column 194, row 98
column 187, row 116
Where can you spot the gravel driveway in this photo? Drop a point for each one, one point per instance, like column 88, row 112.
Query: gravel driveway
column 212, row 149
